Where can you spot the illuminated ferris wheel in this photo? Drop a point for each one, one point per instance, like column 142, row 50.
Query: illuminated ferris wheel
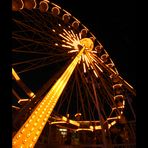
column 67, row 77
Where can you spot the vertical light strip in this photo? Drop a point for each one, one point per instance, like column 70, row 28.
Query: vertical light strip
column 15, row 75
column 29, row 133
column 22, row 85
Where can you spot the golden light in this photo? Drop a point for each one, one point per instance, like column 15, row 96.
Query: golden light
column 43, row 6
column 64, row 119
column 26, row 137
column 70, row 121
column 23, row 100
column 17, row 5
column 58, row 122
column 88, row 43
column 78, row 114
column 30, row 131
column 113, row 123
column 55, row 11
column 118, row 97
column 15, row 75
column 114, row 118
column 31, row 94
column 30, row 4
column 74, row 123
column 15, row 107
column 72, row 41
column 95, row 127
column 84, row 129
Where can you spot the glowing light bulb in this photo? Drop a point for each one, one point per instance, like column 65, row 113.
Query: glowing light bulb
column 32, row 129
column 34, row 139
column 28, row 135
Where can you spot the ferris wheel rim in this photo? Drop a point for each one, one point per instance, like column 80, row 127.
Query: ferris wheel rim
column 116, row 72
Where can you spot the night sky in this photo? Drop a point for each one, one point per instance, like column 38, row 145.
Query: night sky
column 112, row 22
column 114, row 25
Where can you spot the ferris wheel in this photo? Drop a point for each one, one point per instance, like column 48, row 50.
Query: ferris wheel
column 62, row 75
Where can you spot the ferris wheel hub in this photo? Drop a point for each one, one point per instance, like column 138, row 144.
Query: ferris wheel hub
column 88, row 43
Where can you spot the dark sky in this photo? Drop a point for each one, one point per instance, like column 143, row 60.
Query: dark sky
column 114, row 25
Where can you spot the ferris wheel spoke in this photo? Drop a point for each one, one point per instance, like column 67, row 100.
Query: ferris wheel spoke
column 21, row 47
column 30, row 52
column 87, row 91
column 29, row 61
column 90, row 102
column 80, row 96
column 109, row 97
column 37, row 40
column 65, row 99
column 30, row 49
column 38, row 47
column 32, row 67
column 69, row 100
column 36, row 63
column 37, row 20
column 30, row 28
column 47, row 42
column 19, row 37
column 91, row 113
column 62, row 101
column 77, row 96
column 46, row 23
column 88, row 99
column 48, row 33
